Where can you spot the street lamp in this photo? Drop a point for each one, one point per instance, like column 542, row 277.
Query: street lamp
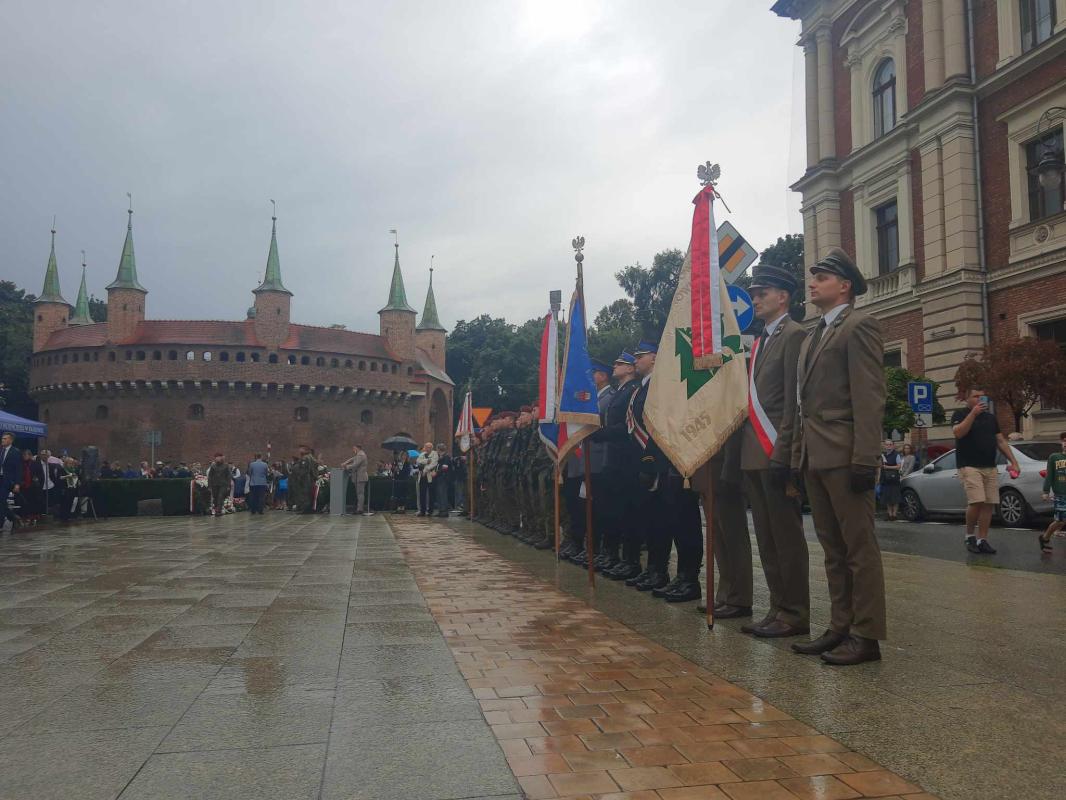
column 1050, row 169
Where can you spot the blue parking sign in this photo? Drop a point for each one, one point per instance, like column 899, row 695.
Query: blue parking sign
column 920, row 397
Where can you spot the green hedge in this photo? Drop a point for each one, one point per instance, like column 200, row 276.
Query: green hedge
column 118, row 497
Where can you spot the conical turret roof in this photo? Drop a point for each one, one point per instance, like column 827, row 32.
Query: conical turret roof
column 81, row 307
column 50, row 293
column 397, row 294
column 127, row 264
column 430, row 321
column 272, row 277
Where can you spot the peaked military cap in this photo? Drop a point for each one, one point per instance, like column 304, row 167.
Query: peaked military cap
column 646, row 347
column 837, row 262
column 599, row 366
column 767, row 276
column 626, row 358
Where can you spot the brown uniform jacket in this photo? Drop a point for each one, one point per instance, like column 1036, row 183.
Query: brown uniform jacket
column 841, row 395
column 775, row 382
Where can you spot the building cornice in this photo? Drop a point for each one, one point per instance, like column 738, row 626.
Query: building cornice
column 1019, row 67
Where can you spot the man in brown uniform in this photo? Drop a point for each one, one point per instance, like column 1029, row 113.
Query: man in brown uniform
column 841, row 406
column 767, row 453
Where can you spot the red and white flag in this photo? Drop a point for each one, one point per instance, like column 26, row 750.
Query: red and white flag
column 706, row 277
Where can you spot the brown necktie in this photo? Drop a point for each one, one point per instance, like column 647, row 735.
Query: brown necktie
column 815, row 341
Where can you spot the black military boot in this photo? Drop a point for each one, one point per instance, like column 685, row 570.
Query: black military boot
column 544, row 543
column 655, row 580
column 580, row 559
column 624, row 572
column 687, row 590
column 639, row 578
column 662, row 591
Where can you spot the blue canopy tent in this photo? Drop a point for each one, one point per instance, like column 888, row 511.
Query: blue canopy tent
column 20, row 426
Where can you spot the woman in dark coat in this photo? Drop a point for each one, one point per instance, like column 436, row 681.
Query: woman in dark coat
column 401, row 476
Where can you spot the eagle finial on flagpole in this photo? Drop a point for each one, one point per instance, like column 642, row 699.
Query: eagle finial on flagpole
column 708, row 175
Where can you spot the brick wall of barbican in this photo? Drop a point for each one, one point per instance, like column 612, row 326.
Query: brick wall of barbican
column 195, row 423
column 159, row 391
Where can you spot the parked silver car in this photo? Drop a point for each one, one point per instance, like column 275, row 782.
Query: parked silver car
column 935, row 489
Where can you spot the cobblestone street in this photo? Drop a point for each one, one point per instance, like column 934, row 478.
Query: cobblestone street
column 378, row 658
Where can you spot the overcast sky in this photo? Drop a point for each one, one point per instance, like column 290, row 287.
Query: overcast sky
column 489, row 133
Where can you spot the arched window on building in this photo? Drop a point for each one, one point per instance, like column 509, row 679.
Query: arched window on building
column 333, row 362
column 347, row 363
column 305, row 360
column 255, row 358
column 1037, row 22
column 320, row 362
column 884, row 95
column 65, row 358
column 140, row 355
column 410, row 370
column 394, row 369
column 157, row 355
column 273, row 358
column 190, row 356
column 240, row 357
column 373, row 366
column 207, row 355
column 196, row 411
column 366, row 417
column 172, row 355
column 292, row 361
column 362, row 365
column 74, row 357
column 129, row 355
column 96, row 356
column 223, row 356
column 301, row 414
column 101, row 412
column 111, row 356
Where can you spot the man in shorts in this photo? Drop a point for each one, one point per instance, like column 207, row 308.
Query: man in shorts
column 977, row 438
column 1055, row 490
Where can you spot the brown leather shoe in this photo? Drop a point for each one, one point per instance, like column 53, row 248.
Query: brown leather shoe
column 751, row 626
column 853, row 650
column 779, row 629
column 726, row 611
column 823, row 644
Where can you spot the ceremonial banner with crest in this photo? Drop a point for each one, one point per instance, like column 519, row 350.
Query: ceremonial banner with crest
column 690, row 412
column 578, row 408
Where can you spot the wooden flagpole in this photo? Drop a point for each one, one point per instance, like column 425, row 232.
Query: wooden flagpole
column 558, row 526
column 708, row 510
column 589, row 546
column 470, row 478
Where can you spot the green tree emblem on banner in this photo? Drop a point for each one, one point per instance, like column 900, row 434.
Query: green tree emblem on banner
column 696, row 379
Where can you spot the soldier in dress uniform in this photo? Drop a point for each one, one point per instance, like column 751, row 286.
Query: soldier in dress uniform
column 620, row 473
column 766, row 456
column 841, row 405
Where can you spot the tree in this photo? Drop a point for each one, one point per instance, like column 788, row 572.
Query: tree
column 16, row 345
column 787, row 253
column 898, row 414
column 652, row 289
column 613, row 330
column 1018, row 372
column 97, row 309
column 495, row 360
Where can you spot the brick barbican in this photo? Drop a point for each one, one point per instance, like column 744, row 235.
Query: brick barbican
column 233, row 386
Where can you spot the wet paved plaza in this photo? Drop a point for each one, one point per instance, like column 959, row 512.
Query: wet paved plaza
column 374, row 658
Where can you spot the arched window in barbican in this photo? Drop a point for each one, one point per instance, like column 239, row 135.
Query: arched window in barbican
column 373, row 366
column 410, row 370
column 301, row 414
column 96, row 356
column 157, row 355
column 101, row 412
column 64, row 358
column 393, row 369
column 74, row 357
column 172, row 355
column 333, row 362
column 240, row 357
column 362, row 365
column 320, row 362
column 255, row 358
column 196, row 411
column 207, row 355
column 129, row 355
column 305, row 360
column 223, row 356
column 366, row 417
column 140, row 355
column 884, row 96
column 292, row 361
column 347, row 363
column 111, row 356
column 273, row 358
column 190, row 356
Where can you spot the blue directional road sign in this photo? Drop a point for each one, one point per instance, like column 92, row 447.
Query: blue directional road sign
column 920, row 397
column 742, row 307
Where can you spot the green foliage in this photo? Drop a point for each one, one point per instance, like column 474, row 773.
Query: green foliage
column 495, row 360
column 787, row 253
column 613, row 330
column 97, row 309
column 16, row 344
column 651, row 290
column 898, row 414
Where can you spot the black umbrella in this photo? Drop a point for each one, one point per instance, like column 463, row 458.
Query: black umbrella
column 397, row 443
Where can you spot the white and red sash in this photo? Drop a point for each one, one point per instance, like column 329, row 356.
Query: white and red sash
column 636, row 430
column 764, row 429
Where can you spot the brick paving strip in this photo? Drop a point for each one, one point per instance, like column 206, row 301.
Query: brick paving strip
column 584, row 707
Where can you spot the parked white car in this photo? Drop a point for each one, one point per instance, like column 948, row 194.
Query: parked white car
column 936, row 490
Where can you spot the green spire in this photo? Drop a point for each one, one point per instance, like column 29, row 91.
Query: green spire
column 430, row 321
column 397, row 294
column 50, row 293
column 81, row 308
column 127, row 265
column 272, row 278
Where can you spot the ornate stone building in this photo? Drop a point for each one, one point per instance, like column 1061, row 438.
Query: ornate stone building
column 239, row 387
column 922, row 141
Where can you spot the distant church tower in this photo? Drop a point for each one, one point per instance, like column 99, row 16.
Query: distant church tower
column 430, row 334
column 397, row 319
column 81, row 305
column 125, row 295
column 50, row 310
column 272, row 300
